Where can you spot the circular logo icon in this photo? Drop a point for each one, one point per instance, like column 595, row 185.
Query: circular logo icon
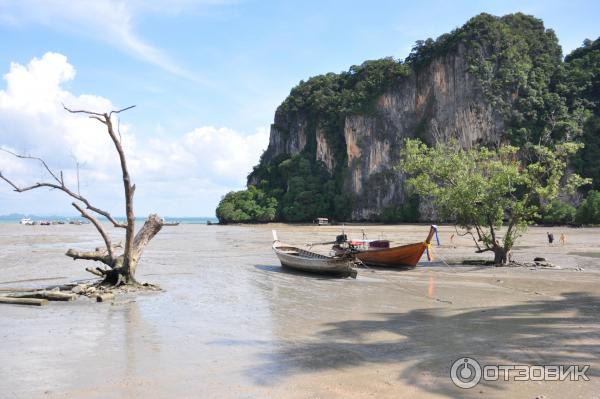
column 465, row 373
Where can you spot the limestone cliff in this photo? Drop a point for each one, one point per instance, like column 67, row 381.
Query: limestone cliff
column 438, row 102
column 354, row 124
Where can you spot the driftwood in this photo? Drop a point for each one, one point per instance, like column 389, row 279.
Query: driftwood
column 105, row 297
column 23, row 301
column 16, row 290
column 43, row 294
column 121, row 268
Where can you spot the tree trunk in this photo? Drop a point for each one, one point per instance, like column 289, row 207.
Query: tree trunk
column 125, row 274
column 501, row 256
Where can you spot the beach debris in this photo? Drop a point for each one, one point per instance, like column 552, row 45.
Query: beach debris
column 539, row 259
column 43, row 294
column 23, row 301
column 105, row 297
column 78, row 289
column 545, row 263
column 68, row 292
column 477, row 262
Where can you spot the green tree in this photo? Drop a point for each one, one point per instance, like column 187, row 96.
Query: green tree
column 246, row 206
column 481, row 188
column 558, row 212
column 581, row 86
column 589, row 210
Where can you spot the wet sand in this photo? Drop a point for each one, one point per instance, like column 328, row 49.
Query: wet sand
column 232, row 324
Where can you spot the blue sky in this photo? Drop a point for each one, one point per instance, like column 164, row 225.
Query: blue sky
column 206, row 77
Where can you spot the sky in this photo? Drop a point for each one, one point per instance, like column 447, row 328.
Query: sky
column 205, row 76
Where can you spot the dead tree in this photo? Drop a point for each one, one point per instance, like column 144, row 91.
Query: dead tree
column 121, row 268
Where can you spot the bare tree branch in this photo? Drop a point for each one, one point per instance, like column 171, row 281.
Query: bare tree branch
column 472, row 236
column 479, row 251
column 68, row 192
column 97, row 118
column 99, row 256
column 37, row 159
column 82, row 111
column 96, row 223
column 95, row 272
column 121, row 110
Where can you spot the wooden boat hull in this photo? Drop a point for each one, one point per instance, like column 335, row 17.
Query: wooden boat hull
column 306, row 261
column 405, row 255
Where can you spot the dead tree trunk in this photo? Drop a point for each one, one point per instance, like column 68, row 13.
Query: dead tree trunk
column 121, row 269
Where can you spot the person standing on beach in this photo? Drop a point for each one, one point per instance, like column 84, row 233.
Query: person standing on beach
column 563, row 239
column 550, row 238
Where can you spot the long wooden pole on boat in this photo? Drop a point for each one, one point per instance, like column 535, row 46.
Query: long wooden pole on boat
column 432, row 231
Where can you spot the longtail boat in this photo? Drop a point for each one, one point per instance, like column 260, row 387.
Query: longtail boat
column 307, row 261
column 379, row 253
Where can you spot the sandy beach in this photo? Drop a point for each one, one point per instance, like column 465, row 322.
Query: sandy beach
column 231, row 323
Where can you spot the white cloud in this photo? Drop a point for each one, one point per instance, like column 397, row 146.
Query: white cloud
column 34, row 121
column 186, row 174
column 210, row 151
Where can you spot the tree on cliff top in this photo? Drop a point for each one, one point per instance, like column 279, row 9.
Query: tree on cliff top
column 121, row 269
column 482, row 188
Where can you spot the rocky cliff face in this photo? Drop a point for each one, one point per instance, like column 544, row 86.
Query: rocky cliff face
column 439, row 101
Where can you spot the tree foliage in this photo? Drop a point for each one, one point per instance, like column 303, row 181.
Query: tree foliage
column 482, row 188
column 335, row 95
column 581, row 85
column 558, row 212
column 251, row 205
column 305, row 190
column 589, row 210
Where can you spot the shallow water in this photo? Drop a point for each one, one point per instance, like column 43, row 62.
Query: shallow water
column 232, row 323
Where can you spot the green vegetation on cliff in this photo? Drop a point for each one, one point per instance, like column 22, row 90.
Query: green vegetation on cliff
column 518, row 63
column 539, row 98
column 581, row 85
column 251, row 205
column 309, row 192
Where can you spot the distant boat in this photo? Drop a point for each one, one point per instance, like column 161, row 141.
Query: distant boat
column 379, row 253
column 27, row 221
column 165, row 223
column 306, row 261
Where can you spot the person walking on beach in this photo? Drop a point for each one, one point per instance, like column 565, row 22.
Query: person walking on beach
column 563, row 239
column 550, row 238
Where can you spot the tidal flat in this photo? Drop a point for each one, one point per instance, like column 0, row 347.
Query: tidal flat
column 231, row 323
